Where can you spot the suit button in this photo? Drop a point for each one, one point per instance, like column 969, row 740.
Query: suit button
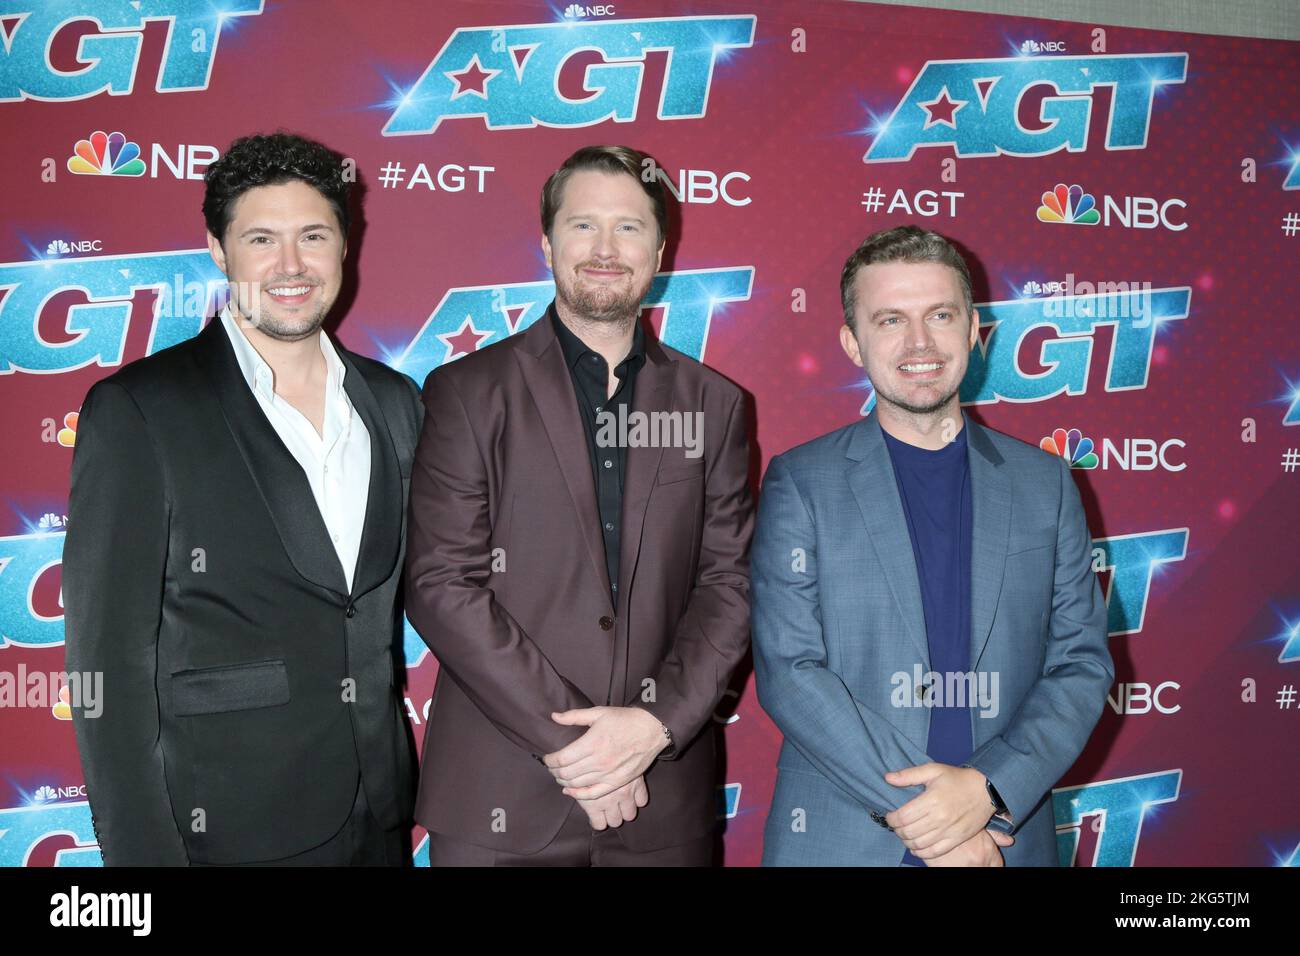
column 351, row 611
column 880, row 819
column 606, row 622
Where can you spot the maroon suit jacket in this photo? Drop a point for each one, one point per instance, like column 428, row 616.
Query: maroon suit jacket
column 506, row 582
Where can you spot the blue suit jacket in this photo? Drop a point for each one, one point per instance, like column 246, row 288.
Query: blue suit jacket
column 837, row 617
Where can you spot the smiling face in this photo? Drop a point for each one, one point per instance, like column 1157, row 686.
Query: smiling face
column 913, row 336
column 604, row 248
column 283, row 254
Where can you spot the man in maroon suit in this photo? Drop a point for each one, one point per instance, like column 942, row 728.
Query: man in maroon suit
column 578, row 560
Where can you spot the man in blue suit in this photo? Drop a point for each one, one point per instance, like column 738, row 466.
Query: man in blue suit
column 928, row 631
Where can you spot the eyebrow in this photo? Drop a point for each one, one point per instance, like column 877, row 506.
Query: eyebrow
column 880, row 313
column 586, row 215
column 263, row 230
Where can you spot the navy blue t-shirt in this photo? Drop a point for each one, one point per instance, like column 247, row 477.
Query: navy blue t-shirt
column 935, row 489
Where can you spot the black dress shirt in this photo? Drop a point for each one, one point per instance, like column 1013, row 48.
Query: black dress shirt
column 590, row 374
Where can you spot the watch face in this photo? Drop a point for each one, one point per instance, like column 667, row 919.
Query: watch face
column 996, row 797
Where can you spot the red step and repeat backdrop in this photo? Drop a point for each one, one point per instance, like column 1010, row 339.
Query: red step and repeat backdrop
column 1130, row 199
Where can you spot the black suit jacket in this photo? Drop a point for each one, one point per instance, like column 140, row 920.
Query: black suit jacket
column 200, row 579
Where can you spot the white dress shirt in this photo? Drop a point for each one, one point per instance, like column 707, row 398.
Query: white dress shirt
column 337, row 461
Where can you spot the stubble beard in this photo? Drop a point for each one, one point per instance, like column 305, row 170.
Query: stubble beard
column 929, row 409
column 277, row 327
column 602, row 304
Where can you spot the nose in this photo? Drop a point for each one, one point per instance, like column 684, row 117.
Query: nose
column 290, row 259
column 919, row 336
column 603, row 245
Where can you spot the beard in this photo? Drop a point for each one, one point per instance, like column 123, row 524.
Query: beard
column 289, row 329
column 285, row 328
column 600, row 303
column 912, row 408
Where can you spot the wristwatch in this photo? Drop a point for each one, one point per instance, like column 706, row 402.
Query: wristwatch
column 999, row 806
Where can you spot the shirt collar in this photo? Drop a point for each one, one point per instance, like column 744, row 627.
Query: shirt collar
column 575, row 349
column 952, row 451
column 257, row 372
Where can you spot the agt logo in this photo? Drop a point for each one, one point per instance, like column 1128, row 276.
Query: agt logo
column 996, row 373
column 973, row 105
column 727, row 801
column 1134, row 561
column 112, row 154
column 509, row 75
column 1071, row 205
column 102, row 290
column 24, row 829
column 24, row 560
column 1116, row 810
column 1134, row 454
column 113, row 54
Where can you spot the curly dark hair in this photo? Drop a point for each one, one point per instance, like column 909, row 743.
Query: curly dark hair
column 268, row 159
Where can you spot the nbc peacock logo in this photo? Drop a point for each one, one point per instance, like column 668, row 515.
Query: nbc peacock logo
column 1069, row 204
column 106, row 154
column 1072, row 446
column 67, row 435
column 62, row 708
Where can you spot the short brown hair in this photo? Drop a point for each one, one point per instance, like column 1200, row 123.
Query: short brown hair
column 902, row 244
column 607, row 159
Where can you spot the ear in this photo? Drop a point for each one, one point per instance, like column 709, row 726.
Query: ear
column 659, row 256
column 218, row 254
column 546, row 251
column 974, row 327
column 849, row 342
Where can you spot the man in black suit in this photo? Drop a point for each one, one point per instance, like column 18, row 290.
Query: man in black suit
column 234, row 552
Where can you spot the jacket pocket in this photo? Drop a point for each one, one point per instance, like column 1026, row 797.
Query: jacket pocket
column 218, row 690
column 674, row 473
column 1030, row 540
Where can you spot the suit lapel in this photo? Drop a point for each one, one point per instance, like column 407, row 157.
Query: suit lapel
column 382, row 532
column 279, row 478
column 990, row 531
column 541, row 362
column 871, row 478
column 653, row 392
